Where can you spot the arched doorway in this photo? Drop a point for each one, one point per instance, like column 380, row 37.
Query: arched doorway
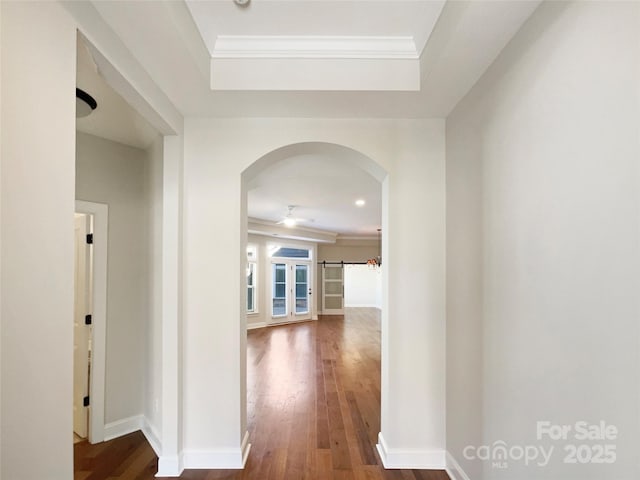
column 306, row 154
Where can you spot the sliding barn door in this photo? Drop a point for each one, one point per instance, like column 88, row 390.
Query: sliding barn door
column 332, row 289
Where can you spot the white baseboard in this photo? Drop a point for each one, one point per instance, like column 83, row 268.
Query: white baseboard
column 151, row 434
column 227, row 458
column 362, row 305
column 123, row 427
column 410, row 458
column 173, row 466
column 253, row 326
column 170, row 466
column 454, row 470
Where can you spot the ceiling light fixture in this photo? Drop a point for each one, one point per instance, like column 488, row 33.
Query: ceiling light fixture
column 85, row 103
column 289, row 220
column 241, row 3
column 360, row 202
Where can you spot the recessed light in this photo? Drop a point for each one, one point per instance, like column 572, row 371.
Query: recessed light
column 360, row 202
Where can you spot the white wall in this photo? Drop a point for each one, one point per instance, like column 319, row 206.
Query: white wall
column 153, row 372
column 1, row 115
column 117, row 175
column 37, row 199
column 543, row 240
column 362, row 286
column 216, row 153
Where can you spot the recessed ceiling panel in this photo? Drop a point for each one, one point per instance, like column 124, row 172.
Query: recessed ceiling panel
column 315, row 45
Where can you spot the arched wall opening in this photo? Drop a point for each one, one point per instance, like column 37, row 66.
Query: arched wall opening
column 337, row 152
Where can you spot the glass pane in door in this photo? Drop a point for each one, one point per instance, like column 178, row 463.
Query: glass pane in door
column 302, row 289
column 279, row 294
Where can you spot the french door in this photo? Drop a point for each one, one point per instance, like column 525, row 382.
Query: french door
column 290, row 290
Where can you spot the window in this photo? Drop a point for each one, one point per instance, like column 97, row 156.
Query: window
column 252, row 271
column 302, row 287
column 279, row 298
column 251, row 287
column 286, row 252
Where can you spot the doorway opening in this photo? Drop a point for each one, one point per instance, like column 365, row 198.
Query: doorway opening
column 291, row 273
column 341, row 348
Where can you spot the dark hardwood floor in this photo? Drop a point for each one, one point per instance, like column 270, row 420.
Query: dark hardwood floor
column 313, row 410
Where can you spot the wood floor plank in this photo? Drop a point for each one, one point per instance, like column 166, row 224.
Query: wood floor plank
column 364, row 443
column 313, row 410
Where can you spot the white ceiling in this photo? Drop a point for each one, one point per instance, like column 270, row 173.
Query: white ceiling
column 378, row 18
column 113, row 119
column 324, row 190
column 175, row 43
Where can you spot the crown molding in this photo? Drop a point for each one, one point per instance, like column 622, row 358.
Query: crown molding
column 315, row 47
column 356, row 237
column 261, row 227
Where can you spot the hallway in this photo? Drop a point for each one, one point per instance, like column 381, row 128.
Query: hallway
column 313, row 410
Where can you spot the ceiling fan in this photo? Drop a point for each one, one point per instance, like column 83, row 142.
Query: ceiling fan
column 289, row 220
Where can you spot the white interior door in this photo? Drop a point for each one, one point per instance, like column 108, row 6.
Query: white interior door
column 81, row 331
column 290, row 291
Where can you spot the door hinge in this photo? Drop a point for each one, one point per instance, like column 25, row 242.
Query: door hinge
column 85, row 401
column 89, row 238
column 88, row 320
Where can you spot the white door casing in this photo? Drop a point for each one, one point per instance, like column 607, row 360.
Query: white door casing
column 99, row 228
column 81, row 331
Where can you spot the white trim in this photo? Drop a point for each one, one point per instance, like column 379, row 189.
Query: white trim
column 454, row 470
column 362, row 305
column 123, row 427
column 100, row 213
column 410, row 458
column 310, row 46
column 151, row 434
column 222, row 458
column 255, row 326
column 170, row 466
column 298, row 232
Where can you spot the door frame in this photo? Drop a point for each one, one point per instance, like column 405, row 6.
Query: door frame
column 83, row 258
column 100, row 214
